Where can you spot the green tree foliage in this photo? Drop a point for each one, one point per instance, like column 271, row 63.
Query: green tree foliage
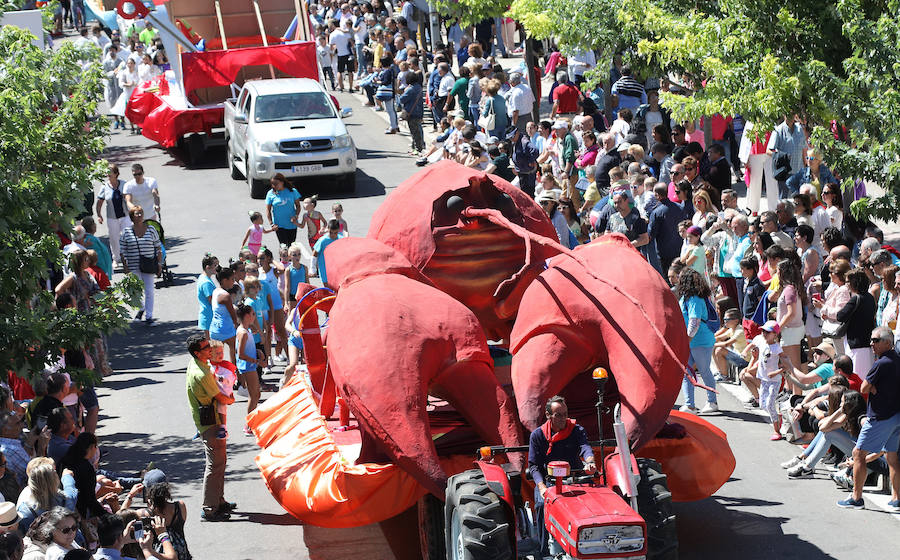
column 835, row 60
column 47, row 142
column 470, row 12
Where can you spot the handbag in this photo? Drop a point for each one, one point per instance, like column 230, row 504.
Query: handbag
column 147, row 265
column 835, row 329
column 207, row 414
column 488, row 122
column 781, row 166
column 404, row 114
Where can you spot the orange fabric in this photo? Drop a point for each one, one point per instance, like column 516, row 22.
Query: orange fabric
column 698, row 464
column 307, row 473
column 309, row 476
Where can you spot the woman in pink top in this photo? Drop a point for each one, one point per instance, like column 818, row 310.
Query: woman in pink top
column 836, row 297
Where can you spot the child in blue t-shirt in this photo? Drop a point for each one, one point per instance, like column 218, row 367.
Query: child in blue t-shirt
column 295, row 273
column 334, row 233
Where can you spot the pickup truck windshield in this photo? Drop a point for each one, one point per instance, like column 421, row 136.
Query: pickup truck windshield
column 293, row 106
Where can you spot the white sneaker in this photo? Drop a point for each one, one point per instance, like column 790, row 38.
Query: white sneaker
column 792, row 463
column 686, row 408
column 242, row 391
column 267, row 370
column 281, row 359
column 709, row 408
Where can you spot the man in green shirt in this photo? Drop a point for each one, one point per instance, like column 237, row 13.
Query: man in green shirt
column 202, row 391
column 148, row 34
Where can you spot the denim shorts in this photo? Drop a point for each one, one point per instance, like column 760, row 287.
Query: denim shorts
column 735, row 359
column 880, row 435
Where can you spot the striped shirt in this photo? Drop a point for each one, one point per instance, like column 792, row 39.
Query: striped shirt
column 133, row 247
column 626, row 85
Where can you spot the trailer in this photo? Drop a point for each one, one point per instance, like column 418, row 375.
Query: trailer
column 214, row 47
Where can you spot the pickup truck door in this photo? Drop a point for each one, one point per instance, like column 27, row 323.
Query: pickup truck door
column 241, row 129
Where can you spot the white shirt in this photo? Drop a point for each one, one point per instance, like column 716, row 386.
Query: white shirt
column 446, row 85
column 581, row 61
column 142, row 195
column 324, row 56
column 820, row 221
column 768, row 358
column 340, row 40
column 520, row 98
column 363, row 32
column 652, row 118
column 621, row 129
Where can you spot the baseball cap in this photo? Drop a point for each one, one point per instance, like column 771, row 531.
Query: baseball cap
column 772, row 326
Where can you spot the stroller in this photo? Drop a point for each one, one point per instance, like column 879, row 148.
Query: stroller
column 167, row 275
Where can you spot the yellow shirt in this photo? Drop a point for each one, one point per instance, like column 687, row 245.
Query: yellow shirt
column 741, row 342
column 379, row 52
column 592, row 195
column 775, row 284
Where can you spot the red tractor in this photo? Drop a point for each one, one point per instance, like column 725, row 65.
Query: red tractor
column 624, row 510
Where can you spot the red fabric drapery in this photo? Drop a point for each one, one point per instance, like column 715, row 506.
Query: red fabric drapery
column 220, row 68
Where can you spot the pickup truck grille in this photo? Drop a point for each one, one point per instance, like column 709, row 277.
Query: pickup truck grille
column 289, row 146
column 322, row 162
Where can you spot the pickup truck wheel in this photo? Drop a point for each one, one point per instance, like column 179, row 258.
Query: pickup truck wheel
column 258, row 189
column 477, row 523
column 655, row 506
column 348, row 183
column 194, row 149
column 229, row 159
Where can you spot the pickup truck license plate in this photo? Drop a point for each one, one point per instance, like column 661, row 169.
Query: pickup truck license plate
column 307, row 168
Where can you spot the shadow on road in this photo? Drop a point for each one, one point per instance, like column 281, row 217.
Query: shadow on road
column 707, row 527
column 180, row 457
column 267, row 518
column 141, row 348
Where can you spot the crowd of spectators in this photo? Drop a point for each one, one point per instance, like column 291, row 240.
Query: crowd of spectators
column 783, row 298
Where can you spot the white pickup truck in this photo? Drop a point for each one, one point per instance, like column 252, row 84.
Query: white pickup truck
column 289, row 126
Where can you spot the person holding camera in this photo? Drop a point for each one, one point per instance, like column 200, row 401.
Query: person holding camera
column 202, row 390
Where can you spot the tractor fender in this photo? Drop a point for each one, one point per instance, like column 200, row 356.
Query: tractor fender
column 616, row 477
column 498, row 482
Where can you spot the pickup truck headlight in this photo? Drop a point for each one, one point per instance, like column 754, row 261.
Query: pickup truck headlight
column 268, row 147
column 610, row 539
column 343, row 141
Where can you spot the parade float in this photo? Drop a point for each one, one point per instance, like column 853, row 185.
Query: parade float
column 448, row 328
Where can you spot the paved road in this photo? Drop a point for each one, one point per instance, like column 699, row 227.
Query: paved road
column 759, row 513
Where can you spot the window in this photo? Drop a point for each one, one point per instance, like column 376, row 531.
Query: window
column 293, row 106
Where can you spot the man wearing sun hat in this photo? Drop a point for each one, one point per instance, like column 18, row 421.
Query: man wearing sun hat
column 821, row 368
column 9, row 518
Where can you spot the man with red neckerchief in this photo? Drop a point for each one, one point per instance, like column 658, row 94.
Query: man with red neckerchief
column 558, row 439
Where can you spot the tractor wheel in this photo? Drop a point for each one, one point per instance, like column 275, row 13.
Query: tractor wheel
column 655, row 506
column 431, row 528
column 477, row 524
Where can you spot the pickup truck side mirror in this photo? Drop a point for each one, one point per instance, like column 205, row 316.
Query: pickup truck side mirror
column 240, row 118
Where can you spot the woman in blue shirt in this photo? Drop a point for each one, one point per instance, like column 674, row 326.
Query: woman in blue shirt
column 282, row 207
column 693, row 297
column 205, row 288
column 497, row 105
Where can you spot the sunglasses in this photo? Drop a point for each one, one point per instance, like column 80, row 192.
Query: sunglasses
column 874, row 340
column 205, row 347
column 68, row 530
column 678, row 173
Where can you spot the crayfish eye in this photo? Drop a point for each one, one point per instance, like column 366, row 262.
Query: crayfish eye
column 456, row 204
